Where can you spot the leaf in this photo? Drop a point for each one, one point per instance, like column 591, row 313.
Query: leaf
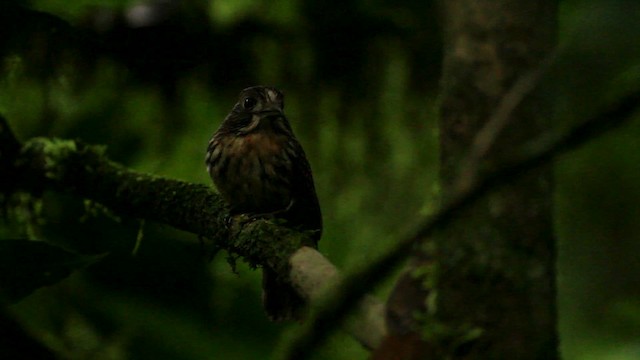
column 26, row 266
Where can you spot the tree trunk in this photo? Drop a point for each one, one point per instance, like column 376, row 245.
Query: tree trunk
column 486, row 290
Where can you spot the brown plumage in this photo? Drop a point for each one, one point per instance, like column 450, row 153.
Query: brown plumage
column 260, row 169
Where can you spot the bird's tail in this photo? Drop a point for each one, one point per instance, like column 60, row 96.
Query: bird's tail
column 281, row 302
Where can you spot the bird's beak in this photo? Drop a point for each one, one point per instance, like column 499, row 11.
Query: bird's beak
column 272, row 112
column 271, row 109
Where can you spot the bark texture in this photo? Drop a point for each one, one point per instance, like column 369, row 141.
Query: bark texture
column 485, row 287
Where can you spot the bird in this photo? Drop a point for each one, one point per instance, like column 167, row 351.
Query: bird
column 260, row 170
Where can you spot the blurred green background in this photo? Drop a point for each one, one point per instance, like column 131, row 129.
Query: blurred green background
column 361, row 86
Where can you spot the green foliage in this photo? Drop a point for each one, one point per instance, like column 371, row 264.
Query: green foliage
column 360, row 80
column 24, row 212
column 55, row 151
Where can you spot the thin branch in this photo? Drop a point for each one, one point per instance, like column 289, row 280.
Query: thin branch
column 535, row 153
column 486, row 137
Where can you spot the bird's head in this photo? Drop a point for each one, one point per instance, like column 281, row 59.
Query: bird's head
column 258, row 108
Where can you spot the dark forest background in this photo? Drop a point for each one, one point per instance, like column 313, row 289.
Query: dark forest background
column 153, row 80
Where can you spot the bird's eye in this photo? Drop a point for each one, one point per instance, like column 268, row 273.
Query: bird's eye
column 249, row 102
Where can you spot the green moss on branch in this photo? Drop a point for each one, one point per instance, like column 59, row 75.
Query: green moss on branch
column 84, row 170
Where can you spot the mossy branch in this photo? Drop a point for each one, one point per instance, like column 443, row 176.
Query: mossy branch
column 84, row 170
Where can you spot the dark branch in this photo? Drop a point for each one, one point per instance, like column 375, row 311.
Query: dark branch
column 486, row 137
column 9, row 149
column 535, row 153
